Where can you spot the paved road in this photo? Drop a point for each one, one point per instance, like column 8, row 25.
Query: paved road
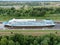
column 56, row 27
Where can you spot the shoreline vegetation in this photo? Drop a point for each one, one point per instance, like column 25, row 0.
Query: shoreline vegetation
column 37, row 13
column 29, row 10
column 26, row 10
column 29, row 32
column 21, row 39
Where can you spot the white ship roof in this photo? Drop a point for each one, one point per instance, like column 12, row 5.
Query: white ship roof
column 19, row 20
column 29, row 22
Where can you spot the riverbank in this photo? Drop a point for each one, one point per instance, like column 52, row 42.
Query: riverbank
column 29, row 32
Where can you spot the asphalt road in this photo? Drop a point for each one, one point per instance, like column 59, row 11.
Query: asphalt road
column 56, row 27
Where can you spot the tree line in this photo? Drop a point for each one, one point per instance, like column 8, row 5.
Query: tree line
column 19, row 39
column 28, row 12
column 21, row 3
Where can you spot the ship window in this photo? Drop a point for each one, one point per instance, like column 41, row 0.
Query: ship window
column 9, row 22
column 49, row 23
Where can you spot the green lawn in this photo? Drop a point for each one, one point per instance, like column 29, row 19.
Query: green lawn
column 48, row 16
column 29, row 32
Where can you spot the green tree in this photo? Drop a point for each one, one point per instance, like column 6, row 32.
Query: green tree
column 11, row 42
column 31, row 44
column 3, row 41
column 17, row 43
column 58, row 43
column 35, row 42
column 44, row 42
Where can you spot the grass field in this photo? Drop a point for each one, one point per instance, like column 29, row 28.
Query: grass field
column 29, row 32
column 48, row 16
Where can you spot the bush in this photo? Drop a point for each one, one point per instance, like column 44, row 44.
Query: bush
column 19, row 39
